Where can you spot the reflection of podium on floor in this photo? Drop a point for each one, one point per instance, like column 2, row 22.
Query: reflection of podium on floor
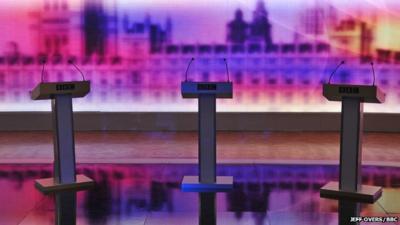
column 349, row 186
column 208, row 209
column 61, row 94
column 207, row 92
column 65, row 208
column 348, row 211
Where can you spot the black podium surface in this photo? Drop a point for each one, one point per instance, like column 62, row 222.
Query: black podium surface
column 48, row 90
column 195, row 89
column 366, row 93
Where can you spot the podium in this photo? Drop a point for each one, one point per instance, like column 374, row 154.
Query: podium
column 207, row 92
column 349, row 186
column 61, row 94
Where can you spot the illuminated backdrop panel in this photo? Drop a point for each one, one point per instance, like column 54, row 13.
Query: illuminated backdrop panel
column 136, row 52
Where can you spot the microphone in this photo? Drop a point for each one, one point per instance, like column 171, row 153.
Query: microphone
column 333, row 73
column 76, row 67
column 187, row 69
column 43, row 63
column 373, row 73
column 227, row 70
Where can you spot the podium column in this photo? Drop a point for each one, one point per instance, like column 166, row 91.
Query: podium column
column 63, row 135
column 207, row 138
column 350, row 144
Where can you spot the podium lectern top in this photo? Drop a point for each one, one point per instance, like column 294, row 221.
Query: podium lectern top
column 367, row 93
column 47, row 90
column 194, row 89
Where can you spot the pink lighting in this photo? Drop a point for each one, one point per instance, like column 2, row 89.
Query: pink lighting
column 136, row 53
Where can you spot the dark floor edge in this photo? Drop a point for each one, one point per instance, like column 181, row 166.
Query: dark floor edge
column 194, row 161
column 187, row 121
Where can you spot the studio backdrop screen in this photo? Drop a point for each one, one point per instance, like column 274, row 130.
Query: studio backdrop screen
column 136, row 52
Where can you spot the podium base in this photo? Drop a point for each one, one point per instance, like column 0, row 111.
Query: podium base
column 48, row 185
column 192, row 184
column 367, row 193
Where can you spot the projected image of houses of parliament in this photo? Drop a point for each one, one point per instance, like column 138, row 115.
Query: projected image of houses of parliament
column 136, row 53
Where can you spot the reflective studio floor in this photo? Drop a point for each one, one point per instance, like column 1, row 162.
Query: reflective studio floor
column 150, row 194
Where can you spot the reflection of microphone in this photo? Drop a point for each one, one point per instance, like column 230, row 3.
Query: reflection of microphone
column 43, row 63
column 226, row 65
column 71, row 62
column 333, row 73
column 187, row 69
column 373, row 73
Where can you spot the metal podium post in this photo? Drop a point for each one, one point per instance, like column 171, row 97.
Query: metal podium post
column 350, row 144
column 349, row 187
column 207, row 92
column 207, row 139
column 63, row 137
column 61, row 94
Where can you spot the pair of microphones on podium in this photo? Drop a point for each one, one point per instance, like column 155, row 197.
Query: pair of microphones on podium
column 343, row 62
column 190, row 63
column 70, row 61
